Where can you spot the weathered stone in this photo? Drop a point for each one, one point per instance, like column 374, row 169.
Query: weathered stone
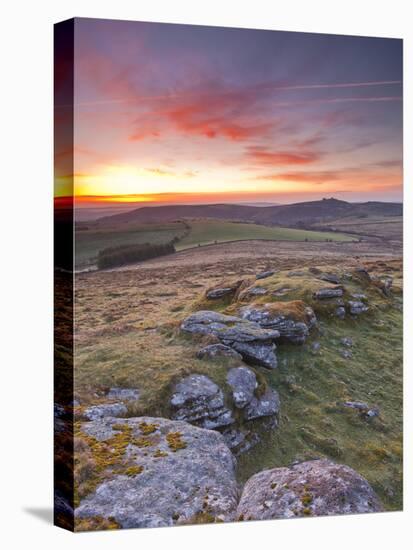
column 240, row 441
column 253, row 291
column 214, row 351
column 325, row 293
column 243, row 383
column 267, row 404
column 364, row 409
column 198, row 400
column 363, row 274
column 347, row 341
column 123, row 394
column 106, row 409
column 264, row 274
column 330, row 278
column 184, row 473
column 255, row 344
column 340, row 312
column 313, row 488
column 356, row 308
column 359, row 296
column 224, row 291
column 289, row 328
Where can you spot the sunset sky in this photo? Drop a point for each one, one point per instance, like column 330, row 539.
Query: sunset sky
column 185, row 114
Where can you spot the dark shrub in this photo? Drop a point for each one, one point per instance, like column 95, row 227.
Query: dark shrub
column 121, row 255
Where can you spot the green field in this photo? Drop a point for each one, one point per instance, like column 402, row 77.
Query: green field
column 90, row 242
column 209, row 232
column 194, row 233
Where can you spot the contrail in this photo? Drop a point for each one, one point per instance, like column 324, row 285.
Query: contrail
column 274, row 87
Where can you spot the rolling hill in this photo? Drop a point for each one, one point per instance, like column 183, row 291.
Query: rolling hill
column 291, row 215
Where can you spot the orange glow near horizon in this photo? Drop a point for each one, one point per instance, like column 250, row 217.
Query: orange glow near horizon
column 181, row 114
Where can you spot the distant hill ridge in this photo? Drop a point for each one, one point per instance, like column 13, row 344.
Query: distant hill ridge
column 297, row 214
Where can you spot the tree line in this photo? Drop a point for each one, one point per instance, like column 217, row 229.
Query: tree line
column 122, row 255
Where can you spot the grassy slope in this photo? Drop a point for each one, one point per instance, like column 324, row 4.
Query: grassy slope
column 312, row 425
column 88, row 243
column 390, row 227
column 207, row 232
column 128, row 336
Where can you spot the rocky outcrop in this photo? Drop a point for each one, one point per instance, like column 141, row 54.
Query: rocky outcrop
column 326, row 293
column 340, row 312
column 243, row 383
column 223, row 291
column 252, row 292
column 313, row 488
column 290, row 328
column 113, row 408
column 267, row 404
column 252, row 342
column 357, row 307
column 216, row 351
column 329, row 278
column 105, row 410
column 177, row 474
column 198, row 400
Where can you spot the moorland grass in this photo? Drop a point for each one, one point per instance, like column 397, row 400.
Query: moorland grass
column 152, row 354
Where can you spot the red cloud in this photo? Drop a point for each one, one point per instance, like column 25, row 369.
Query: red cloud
column 304, row 177
column 210, row 114
column 263, row 156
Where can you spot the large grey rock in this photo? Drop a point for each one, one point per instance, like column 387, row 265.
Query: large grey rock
column 326, row 293
column 160, row 486
column 198, row 400
column 313, row 488
column 106, row 409
column 289, row 328
column 216, row 351
column 267, row 404
column 356, row 307
column 243, row 383
column 255, row 344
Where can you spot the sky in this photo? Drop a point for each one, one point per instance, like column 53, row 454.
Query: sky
column 188, row 114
